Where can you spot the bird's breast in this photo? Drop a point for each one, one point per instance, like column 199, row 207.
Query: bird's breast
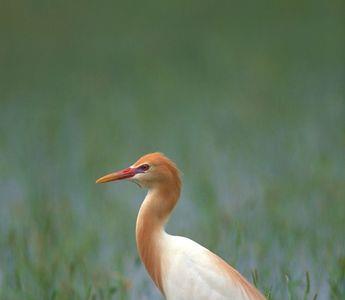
column 189, row 272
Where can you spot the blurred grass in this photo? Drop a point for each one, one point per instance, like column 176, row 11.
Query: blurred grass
column 248, row 99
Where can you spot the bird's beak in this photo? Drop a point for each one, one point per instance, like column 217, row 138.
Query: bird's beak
column 123, row 174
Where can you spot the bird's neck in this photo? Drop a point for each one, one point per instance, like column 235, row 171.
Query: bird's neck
column 153, row 215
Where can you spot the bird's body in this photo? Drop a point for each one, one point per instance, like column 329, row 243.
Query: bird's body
column 203, row 274
column 181, row 268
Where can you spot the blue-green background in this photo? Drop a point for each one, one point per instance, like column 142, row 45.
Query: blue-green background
column 246, row 96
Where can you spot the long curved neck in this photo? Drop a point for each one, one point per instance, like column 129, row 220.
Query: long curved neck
column 153, row 215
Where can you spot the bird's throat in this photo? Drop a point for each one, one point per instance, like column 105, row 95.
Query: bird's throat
column 153, row 215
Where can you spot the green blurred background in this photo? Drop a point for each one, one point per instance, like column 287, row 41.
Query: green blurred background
column 246, row 96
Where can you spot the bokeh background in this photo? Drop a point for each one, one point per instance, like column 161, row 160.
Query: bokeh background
column 246, row 96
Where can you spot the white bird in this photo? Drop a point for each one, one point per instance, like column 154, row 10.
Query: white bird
column 181, row 268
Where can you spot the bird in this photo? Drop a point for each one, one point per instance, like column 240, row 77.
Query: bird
column 180, row 268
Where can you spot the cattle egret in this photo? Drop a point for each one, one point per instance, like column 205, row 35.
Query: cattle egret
column 181, row 268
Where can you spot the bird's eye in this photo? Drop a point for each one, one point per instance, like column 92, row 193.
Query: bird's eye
column 144, row 167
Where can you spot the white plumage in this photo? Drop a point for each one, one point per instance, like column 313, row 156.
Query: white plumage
column 190, row 272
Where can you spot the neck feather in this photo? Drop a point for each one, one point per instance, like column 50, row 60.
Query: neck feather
column 153, row 215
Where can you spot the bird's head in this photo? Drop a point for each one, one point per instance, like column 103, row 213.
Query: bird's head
column 149, row 171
